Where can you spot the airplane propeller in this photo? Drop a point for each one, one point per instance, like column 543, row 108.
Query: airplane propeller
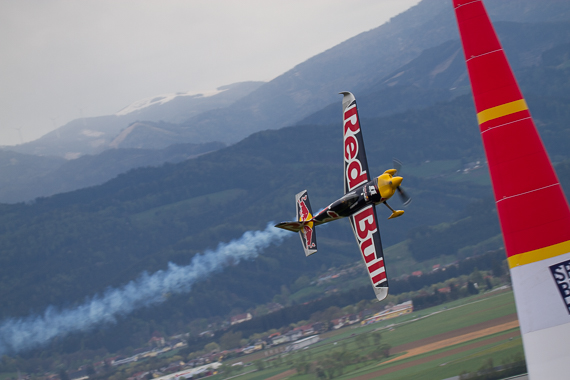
column 404, row 197
column 397, row 164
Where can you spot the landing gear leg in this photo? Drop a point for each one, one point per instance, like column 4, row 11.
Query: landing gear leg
column 395, row 213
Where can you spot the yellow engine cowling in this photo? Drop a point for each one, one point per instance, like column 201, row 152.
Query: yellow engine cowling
column 387, row 183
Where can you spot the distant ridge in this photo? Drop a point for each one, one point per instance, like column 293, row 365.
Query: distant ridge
column 24, row 177
column 158, row 126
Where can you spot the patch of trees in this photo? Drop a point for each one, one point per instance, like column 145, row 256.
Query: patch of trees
column 366, row 347
column 489, row 261
column 423, row 301
column 511, row 366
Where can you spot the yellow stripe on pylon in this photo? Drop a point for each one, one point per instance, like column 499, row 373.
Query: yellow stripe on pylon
column 502, row 110
column 539, row 254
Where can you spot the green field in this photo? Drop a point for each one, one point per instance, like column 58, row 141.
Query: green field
column 446, row 362
column 439, row 320
column 451, row 365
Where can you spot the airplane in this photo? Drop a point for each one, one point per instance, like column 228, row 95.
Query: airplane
column 361, row 195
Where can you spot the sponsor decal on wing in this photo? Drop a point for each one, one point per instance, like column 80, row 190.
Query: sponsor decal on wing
column 368, row 237
column 561, row 275
column 355, row 164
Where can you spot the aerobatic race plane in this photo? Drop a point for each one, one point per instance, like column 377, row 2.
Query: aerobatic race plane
column 361, row 194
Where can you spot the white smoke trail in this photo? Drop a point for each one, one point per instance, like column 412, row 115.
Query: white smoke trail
column 20, row 334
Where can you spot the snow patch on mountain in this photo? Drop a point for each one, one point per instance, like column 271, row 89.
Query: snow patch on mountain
column 161, row 99
column 91, row 133
column 72, row 155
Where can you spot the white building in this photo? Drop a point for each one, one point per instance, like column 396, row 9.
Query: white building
column 392, row 312
column 303, row 343
column 280, row 339
column 187, row 374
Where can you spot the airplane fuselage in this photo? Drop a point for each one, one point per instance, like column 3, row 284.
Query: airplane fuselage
column 377, row 191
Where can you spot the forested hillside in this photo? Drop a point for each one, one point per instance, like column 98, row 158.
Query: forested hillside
column 24, row 177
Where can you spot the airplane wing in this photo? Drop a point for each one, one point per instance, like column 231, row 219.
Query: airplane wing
column 365, row 227
column 355, row 164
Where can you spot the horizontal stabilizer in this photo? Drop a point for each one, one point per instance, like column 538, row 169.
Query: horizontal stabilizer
column 291, row 226
column 306, row 231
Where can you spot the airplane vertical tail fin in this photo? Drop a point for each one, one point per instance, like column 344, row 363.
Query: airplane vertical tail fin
column 303, row 223
column 305, row 215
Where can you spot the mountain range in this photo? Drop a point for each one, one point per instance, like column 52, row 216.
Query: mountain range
column 147, row 124
column 409, row 80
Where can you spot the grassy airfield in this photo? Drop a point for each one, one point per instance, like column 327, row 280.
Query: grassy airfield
column 435, row 343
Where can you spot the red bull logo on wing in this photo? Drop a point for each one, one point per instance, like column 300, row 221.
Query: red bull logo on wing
column 355, row 175
column 365, row 227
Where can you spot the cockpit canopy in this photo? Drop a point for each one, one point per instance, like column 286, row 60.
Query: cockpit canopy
column 345, row 205
column 348, row 200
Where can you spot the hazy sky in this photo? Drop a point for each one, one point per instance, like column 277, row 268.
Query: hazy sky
column 60, row 60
